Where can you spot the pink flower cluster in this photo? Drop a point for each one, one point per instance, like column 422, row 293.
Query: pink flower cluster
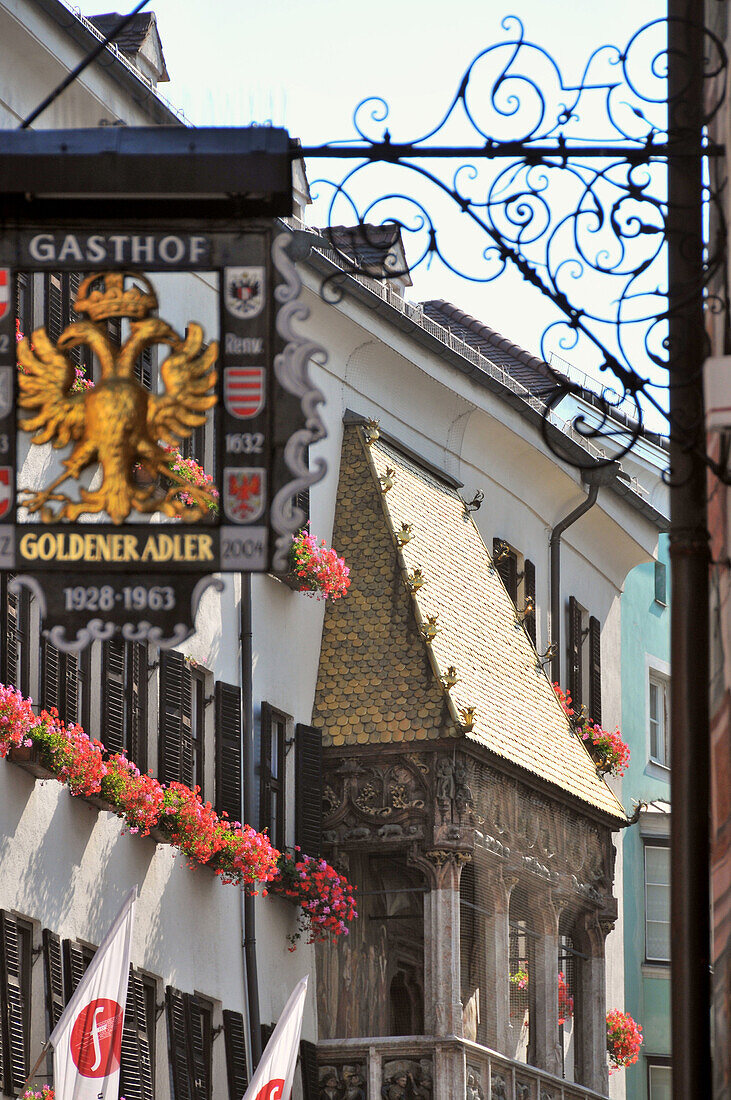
column 193, row 472
column 565, row 1000
column 140, row 795
column 76, row 758
column 624, row 1039
column 16, row 720
column 44, row 1093
column 326, row 898
column 320, row 571
column 607, row 747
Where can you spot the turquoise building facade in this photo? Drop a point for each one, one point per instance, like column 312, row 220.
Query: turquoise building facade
column 646, row 853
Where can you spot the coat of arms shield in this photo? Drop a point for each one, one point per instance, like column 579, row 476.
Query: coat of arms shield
column 244, row 291
column 244, row 493
column 244, row 390
column 4, row 291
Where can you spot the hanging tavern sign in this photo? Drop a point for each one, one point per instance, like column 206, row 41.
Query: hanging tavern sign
column 99, row 516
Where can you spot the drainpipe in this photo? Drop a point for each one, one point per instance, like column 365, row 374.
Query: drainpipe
column 248, row 757
column 594, row 477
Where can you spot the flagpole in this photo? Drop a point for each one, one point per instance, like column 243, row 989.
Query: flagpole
column 40, row 1058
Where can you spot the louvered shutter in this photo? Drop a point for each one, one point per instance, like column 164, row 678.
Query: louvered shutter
column 308, row 789
column 138, row 704
column 236, row 1066
column 178, row 1044
column 197, row 1043
column 70, row 688
column 51, row 676
column 308, row 1070
column 265, row 795
column 53, row 967
column 574, row 654
column 136, row 1081
column 595, row 671
column 9, row 670
column 176, row 744
column 266, row 1034
column 73, row 282
column 54, row 316
column 75, row 962
column 228, row 750
column 16, row 1013
column 113, row 695
column 143, row 369
column 507, row 567
column 529, row 590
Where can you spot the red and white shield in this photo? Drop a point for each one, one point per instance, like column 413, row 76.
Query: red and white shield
column 6, row 491
column 244, row 391
column 244, row 493
column 4, row 291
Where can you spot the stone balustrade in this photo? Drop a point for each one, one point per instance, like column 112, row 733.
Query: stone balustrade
column 425, row 1068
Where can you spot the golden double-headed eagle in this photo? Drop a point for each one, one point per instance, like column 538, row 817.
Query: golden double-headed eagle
column 118, row 423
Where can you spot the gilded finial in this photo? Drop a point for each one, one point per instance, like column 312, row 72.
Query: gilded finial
column 387, row 479
column 404, row 534
column 501, row 551
column 450, row 678
column 430, row 629
column 415, row 580
column 467, row 714
column 371, row 431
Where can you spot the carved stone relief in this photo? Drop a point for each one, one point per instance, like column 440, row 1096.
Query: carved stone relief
column 499, row 1090
column 404, row 1079
column 523, row 1090
column 474, row 1089
column 366, row 801
column 346, row 1082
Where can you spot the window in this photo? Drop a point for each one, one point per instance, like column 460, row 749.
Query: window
column 308, row 789
column 198, row 723
column 272, row 798
column 124, row 698
column 659, row 1079
column 228, row 750
column 520, row 583
column 60, row 681
column 16, row 953
column 138, row 1039
column 659, row 719
column 176, row 760
column 661, row 583
column 657, row 903
column 236, row 1065
column 584, row 662
column 14, row 631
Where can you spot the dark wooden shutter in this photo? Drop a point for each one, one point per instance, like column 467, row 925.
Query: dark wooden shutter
column 137, row 734
column 178, row 1044
column 266, row 1034
column 53, row 968
column 308, row 789
column 197, row 1044
column 265, row 792
column 51, row 676
column 308, row 1069
column 143, row 369
column 15, row 1040
column 70, row 688
column 595, row 671
column 176, row 743
column 228, row 750
column 136, row 1081
column 9, row 671
column 75, row 962
column 529, row 590
column 113, row 694
column 507, row 567
column 236, row 1066
column 54, row 314
column 574, row 654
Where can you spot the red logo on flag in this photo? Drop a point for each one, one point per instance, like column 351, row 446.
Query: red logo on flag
column 4, row 291
column 96, row 1038
column 271, row 1091
column 6, row 495
column 244, row 391
column 244, row 493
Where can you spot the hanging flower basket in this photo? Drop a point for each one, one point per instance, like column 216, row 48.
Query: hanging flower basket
column 315, row 569
column 624, row 1039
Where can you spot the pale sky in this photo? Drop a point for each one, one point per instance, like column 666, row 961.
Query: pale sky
column 306, row 65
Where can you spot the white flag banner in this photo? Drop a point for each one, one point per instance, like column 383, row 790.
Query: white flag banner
column 274, row 1075
column 87, row 1040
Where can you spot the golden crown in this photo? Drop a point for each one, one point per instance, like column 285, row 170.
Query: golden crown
column 114, row 300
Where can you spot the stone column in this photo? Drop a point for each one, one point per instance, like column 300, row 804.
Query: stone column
column 495, row 895
column 544, row 1028
column 591, row 1038
column 442, row 994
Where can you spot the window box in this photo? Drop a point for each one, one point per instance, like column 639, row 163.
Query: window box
column 100, row 803
column 28, row 758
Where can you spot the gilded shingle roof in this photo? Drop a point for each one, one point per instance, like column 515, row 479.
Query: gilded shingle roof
column 378, row 677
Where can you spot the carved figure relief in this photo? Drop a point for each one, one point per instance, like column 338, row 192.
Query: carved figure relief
column 407, row 1080
column 473, row 1090
column 499, row 1090
column 346, row 1082
column 385, row 800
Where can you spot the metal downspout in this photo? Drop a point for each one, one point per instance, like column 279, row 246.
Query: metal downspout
column 248, row 757
column 599, row 475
